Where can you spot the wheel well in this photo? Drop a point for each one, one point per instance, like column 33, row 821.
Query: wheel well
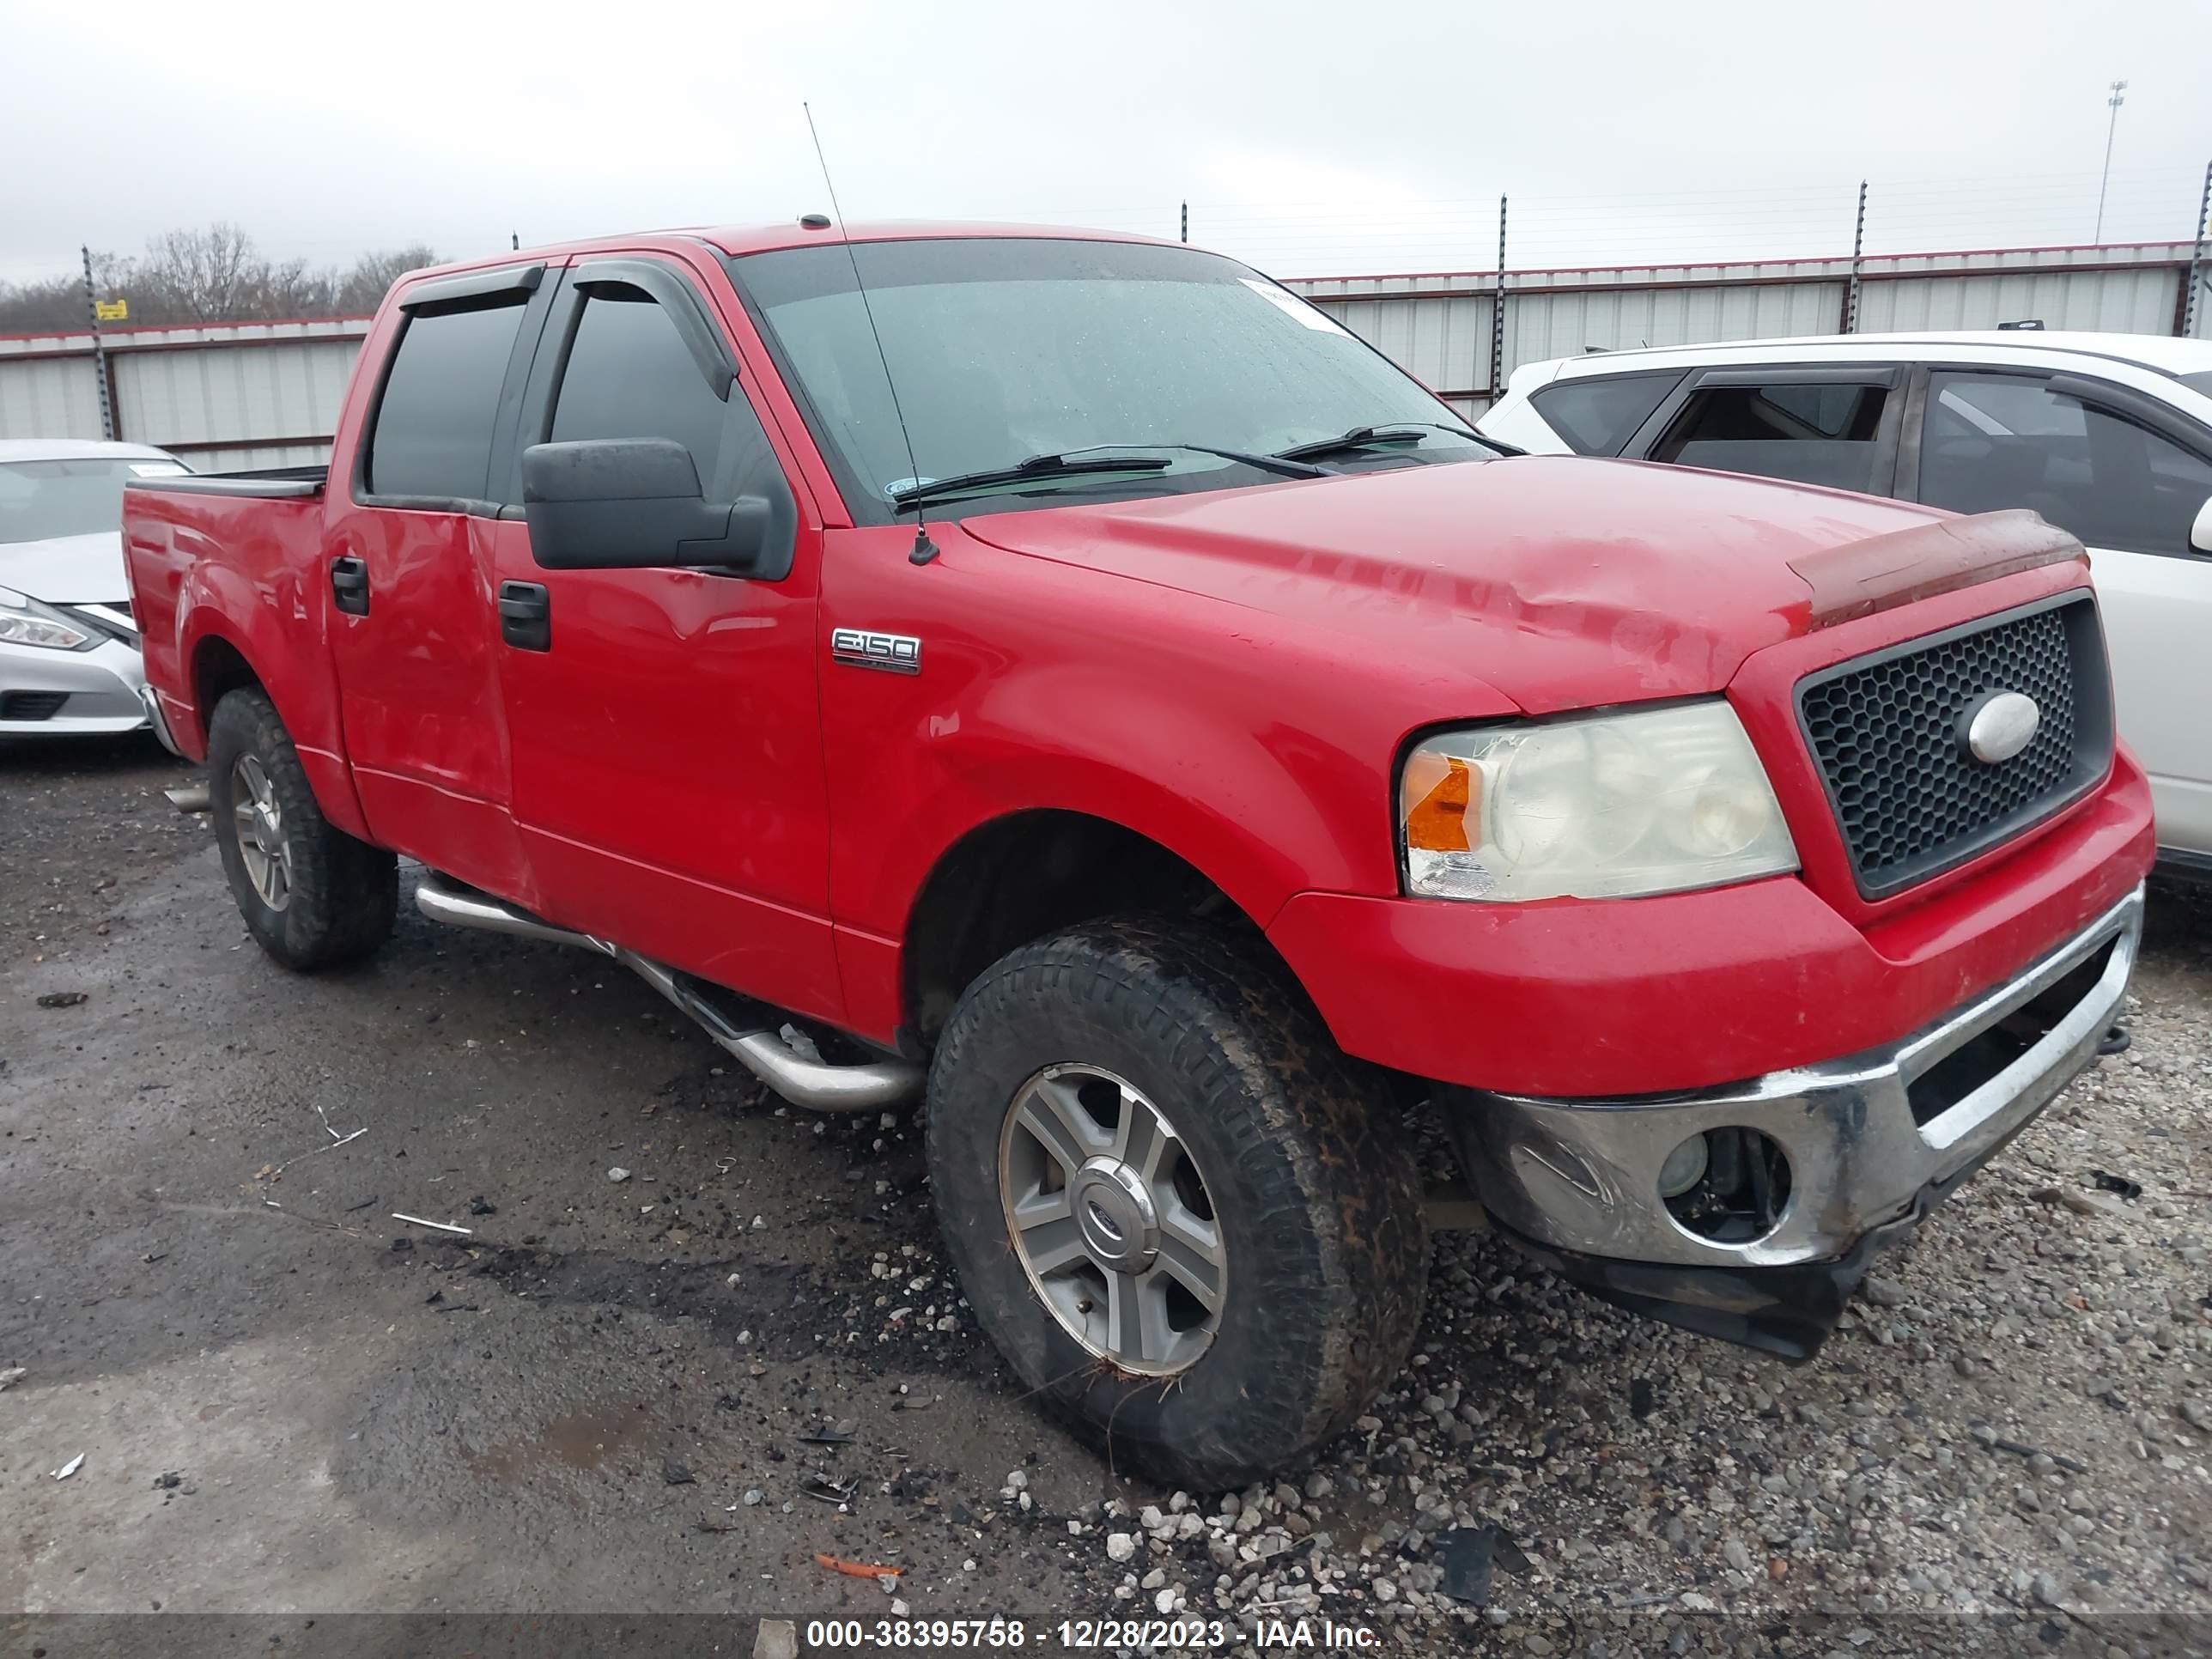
column 1024, row 877
column 218, row 669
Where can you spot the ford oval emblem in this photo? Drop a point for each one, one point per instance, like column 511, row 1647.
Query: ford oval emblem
column 2000, row 725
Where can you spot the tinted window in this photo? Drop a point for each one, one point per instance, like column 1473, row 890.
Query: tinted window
column 1994, row 440
column 1597, row 416
column 1817, row 433
column 630, row 375
column 434, row 424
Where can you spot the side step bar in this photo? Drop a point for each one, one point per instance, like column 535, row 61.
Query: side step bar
column 811, row 1083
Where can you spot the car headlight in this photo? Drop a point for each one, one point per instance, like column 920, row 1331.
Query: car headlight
column 24, row 621
column 1655, row 800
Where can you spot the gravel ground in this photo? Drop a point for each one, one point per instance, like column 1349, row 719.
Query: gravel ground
column 2004, row 1450
column 2014, row 1424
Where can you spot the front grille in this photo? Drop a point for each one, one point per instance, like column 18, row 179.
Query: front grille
column 1886, row 733
column 31, row 705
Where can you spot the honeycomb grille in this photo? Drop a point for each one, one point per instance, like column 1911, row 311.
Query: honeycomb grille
column 1885, row 733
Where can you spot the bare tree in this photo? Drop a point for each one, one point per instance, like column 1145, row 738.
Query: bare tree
column 291, row 290
column 209, row 275
column 362, row 289
column 204, row 276
column 56, row 304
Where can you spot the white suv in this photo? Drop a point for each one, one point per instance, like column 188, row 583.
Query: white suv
column 2107, row 435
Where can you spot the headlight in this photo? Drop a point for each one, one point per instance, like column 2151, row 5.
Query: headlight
column 1656, row 801
column 24, row 621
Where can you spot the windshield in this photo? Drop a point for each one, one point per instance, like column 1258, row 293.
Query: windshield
column 2201, row 382
column 42, row 500
column 1007, row 348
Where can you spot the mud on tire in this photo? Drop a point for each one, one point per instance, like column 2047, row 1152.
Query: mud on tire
column 337, row 897
column 1315, row 1198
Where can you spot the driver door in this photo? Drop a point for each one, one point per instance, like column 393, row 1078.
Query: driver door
column 669, row 787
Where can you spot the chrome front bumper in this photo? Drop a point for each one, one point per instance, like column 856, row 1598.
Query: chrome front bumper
column 103, row 689
column 1582, row 1177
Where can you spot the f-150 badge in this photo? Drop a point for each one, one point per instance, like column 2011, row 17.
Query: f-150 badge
column 898, row 653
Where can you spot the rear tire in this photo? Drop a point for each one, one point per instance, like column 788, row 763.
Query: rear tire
column 1293, row 1201
column 312, row 897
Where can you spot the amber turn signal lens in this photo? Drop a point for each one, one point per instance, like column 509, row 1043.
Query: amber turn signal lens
column 1437, row 792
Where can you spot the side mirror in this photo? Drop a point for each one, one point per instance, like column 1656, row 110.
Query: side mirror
column 635, row 503
column 2200, row 533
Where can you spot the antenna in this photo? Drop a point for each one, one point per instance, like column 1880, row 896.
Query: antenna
column 924, row 550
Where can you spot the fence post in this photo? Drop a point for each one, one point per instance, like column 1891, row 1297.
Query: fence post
column 1858, row 256
column 1186, row 222
column 2193, row 305
column 99, row 349
column 1498, row 315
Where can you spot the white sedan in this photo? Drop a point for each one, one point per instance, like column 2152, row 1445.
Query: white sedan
column 2107, row 435
column 69, row 645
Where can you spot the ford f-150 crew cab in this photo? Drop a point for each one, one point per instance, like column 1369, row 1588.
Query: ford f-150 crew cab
column 1073, row 682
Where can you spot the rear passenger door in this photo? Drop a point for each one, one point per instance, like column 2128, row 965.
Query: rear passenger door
column 1803, row 423
column 2128, row 475
column 408, row 574
column 668, row 771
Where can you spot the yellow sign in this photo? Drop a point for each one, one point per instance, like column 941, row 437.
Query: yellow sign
column 111, row 311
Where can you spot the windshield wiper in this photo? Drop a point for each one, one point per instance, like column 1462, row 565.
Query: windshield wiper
column 1036, row 468
column 1088, row 459
column 1285, row 466
column 1390, row 433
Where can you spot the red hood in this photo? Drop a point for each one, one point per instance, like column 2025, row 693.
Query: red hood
column 1588, row 581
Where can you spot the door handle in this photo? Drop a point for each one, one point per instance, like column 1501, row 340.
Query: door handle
column 526, row 616
column 350, row 584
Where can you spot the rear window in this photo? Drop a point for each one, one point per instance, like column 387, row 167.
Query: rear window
column 2201, row 382
column 433, row 422
column 1597, row 415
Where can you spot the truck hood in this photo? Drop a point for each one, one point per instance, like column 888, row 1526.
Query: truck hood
column 68, row 569
column 1561, row 583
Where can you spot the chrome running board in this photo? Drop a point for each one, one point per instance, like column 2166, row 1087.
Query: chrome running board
column 458, row 908
column 813, row 1084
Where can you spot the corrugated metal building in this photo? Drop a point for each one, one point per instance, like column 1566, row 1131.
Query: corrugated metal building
column 267, row 394
column 1439, row 326
column 224, row 396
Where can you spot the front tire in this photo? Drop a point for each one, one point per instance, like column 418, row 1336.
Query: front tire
column 312, row 897
column 1187, row 1221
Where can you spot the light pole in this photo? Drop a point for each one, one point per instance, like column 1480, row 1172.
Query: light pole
column 2118, row 97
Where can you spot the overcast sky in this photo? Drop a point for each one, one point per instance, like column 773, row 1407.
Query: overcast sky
column 1310, row 138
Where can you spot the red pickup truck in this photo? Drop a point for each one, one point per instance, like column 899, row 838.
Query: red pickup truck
column 1070, row 681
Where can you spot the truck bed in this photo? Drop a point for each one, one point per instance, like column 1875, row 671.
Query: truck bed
column 265, row 484
column 227, row 570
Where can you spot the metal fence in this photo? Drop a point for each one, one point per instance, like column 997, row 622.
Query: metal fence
column 236, row 395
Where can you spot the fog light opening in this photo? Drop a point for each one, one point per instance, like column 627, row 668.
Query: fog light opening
column 1684, row 1169
column 1739, row 1191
